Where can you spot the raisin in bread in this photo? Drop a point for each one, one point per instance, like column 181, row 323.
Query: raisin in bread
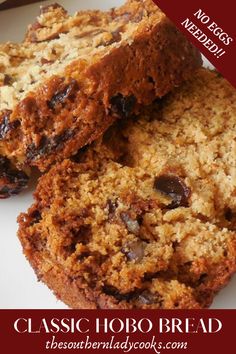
column 74, row 75
column 145, row 218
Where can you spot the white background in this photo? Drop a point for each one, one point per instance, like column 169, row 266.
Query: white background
column 19, row 288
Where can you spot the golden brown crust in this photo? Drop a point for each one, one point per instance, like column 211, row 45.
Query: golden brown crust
column 150, row 224
column 141, row 58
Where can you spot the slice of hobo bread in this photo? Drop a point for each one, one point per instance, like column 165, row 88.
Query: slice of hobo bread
column 147, row 217
column 74, row 75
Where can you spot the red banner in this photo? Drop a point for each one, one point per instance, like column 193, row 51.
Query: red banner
column 149, row 331
column 210, row 25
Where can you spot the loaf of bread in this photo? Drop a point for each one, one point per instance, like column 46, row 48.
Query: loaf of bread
column 72, row 76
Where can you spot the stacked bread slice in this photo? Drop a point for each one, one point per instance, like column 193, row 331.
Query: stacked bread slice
column 73, row 76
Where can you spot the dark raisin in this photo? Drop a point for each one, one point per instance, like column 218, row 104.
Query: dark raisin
column 33, row 152
column 175, row 244
column 46, row 61
column 64, row 94
column 151, row 80
column 6, row 126
column 43, row 147
column 131, row 224
column 47, row 145
column 70, row 249
column 116, row 37
column 12, row 181
column 111, row 207
column 112, row 291
column 229, row 214
column 35, row 216
column 8, row 80
column 4, row 164
column 58, row 140
column 82, row 235
column 80, row 156
column 83, row 256
column 134, row 251
column 175, row 188
column 147, row 298
column 122, row 106
column 202, row 279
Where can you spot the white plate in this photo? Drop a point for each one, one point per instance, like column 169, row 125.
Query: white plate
column 19, row 288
